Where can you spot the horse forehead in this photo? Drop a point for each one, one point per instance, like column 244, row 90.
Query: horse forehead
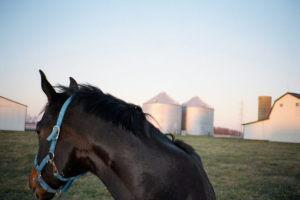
column 55, row 106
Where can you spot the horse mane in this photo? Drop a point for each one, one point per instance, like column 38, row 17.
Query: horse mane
column 184, row 146
column 109, row 108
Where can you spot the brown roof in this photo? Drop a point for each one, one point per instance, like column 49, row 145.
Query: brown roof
column 268, row 117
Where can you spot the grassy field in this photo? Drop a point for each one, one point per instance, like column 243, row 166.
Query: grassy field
column 237, row 168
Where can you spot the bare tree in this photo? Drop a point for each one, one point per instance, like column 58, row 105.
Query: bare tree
column 28, row 119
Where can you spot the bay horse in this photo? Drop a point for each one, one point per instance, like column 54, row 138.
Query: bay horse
column 85, row 130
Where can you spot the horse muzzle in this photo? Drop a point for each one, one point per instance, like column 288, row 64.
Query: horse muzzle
column 36, row 188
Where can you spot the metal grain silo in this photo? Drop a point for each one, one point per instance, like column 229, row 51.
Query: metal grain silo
column 198, row 117
column 264, row 107
column 166, row 111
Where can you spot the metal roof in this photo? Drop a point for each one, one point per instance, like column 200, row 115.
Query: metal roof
column 13, row 101
column 196, row 102
column 294, row 94
column 163, row 98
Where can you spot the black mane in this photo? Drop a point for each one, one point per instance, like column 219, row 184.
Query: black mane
column 109, row 108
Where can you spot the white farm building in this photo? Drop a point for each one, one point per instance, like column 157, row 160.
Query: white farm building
column 282, row 124
column 166, row 111
column 12, row 115
column 197, row 117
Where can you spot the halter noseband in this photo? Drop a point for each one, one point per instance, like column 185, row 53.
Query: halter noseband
column 49, row 159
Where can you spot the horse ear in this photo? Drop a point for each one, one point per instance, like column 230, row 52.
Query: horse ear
column 73, row 85
column 47, row 87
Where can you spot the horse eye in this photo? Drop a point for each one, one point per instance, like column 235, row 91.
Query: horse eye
column 38, row 132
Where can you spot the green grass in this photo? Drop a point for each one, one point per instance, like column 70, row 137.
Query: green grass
column 237, row 168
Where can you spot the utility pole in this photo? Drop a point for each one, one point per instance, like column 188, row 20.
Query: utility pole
column 241, row 115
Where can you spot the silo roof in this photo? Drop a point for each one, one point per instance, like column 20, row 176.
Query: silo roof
column 196, row 102
column 163, row 98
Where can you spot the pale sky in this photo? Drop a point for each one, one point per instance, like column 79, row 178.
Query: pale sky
column 224, row 52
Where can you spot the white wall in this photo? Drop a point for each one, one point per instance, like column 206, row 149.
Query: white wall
column 283, row 124
column 257, row 131
column 167, row 116
column 12, row 115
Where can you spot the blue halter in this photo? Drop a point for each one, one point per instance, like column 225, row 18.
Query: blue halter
column 49, row 159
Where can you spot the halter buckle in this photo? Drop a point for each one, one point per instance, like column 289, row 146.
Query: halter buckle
column 58, row 131
column 58, row 194
column 51, row 161
column 51, row 155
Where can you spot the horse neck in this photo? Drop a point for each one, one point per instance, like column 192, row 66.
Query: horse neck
column 118, row 158
column 103, row 152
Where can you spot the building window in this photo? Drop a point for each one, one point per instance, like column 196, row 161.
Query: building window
column 297, row 104
column 281, row 105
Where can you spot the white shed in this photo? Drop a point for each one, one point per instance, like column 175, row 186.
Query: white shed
column 197, row 117
column 166, row 111
column 281, row 125
column 12, row 115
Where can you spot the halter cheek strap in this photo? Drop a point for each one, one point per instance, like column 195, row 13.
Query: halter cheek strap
column 49, row 159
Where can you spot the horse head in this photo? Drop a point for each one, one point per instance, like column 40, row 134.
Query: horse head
column 54, row 165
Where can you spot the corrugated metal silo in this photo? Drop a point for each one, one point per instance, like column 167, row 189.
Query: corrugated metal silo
column 198, row 117
column 166, row 111
column 264, row 107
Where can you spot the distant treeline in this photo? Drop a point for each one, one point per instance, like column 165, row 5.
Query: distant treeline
column 226, row 131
